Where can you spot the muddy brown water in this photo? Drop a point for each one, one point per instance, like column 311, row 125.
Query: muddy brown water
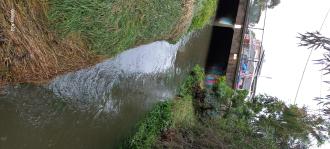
column 96, row 108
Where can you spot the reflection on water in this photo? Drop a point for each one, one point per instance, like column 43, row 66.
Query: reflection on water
column 32, row 117
column 97, row 107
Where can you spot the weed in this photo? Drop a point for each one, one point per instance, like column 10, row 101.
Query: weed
column 113, row 26
column 169, row 114
column 150, row 128
column 204, row 11
column 44, row 38
column 183, row 114
column 29, row 51
column 196, row 78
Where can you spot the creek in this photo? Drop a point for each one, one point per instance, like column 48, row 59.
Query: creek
column 99, row 106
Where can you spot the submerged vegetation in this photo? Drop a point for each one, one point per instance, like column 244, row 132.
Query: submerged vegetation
column 222, row 118
column 44, row 38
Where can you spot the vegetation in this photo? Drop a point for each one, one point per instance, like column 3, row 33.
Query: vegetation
column 29, row 51
column 150, row 128
column 258, row 6
column 204, row 10
column 113, row 26
column 44, row 38
column 167, row 115
column 314, row 41
column 222, row 118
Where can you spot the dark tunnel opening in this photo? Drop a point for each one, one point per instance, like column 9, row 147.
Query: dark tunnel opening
column 227, row 9
column 221, row 40
column 219, row 49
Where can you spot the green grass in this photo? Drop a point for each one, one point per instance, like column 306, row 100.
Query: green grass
column 196, row 78
column 149, row 129
column 183, row 113
column 204, row 11
column 111, row 26
column 166, row 115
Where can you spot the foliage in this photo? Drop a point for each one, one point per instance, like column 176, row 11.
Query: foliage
column 183, row 113
column 255, row 13
column 169, row 114
column 314, row 40
column 157, row 120
column 235, row 128
column 258, row 6
column 266, row 3
column 236, row 132
column 204, row 11
column 273, row 3
column 292, row 126
column 263, row 122
column 196, row 78
column 111, row 26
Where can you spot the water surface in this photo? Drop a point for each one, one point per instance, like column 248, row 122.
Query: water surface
column 98, row 107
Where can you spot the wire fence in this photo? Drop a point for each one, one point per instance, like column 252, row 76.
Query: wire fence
column 252, row 52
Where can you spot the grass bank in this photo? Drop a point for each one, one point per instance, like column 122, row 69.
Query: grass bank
column 51, row 37
column 112, row 26
column 220, row 117
column 29, row 51
column 165, row 117
column 204, row 9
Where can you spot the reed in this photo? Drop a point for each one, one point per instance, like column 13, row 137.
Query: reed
column 30, row 52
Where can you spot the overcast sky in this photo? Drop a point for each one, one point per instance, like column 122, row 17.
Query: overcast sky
column 284, row 60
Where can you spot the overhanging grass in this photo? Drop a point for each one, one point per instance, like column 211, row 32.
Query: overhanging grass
column 183, row 112
column 56, row 36
column 32, row 52
column 204, row 11
column 111, row 26
column 149, row 129
column 174, row 114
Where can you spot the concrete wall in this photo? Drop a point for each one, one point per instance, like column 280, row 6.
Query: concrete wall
column 236, row 43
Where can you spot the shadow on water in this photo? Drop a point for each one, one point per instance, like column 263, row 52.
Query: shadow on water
column 99, row 106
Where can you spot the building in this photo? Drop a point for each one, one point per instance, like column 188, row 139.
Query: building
column 234, row 52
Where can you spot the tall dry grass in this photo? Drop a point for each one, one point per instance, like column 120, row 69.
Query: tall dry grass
column 37, row 50
column 32, row 52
